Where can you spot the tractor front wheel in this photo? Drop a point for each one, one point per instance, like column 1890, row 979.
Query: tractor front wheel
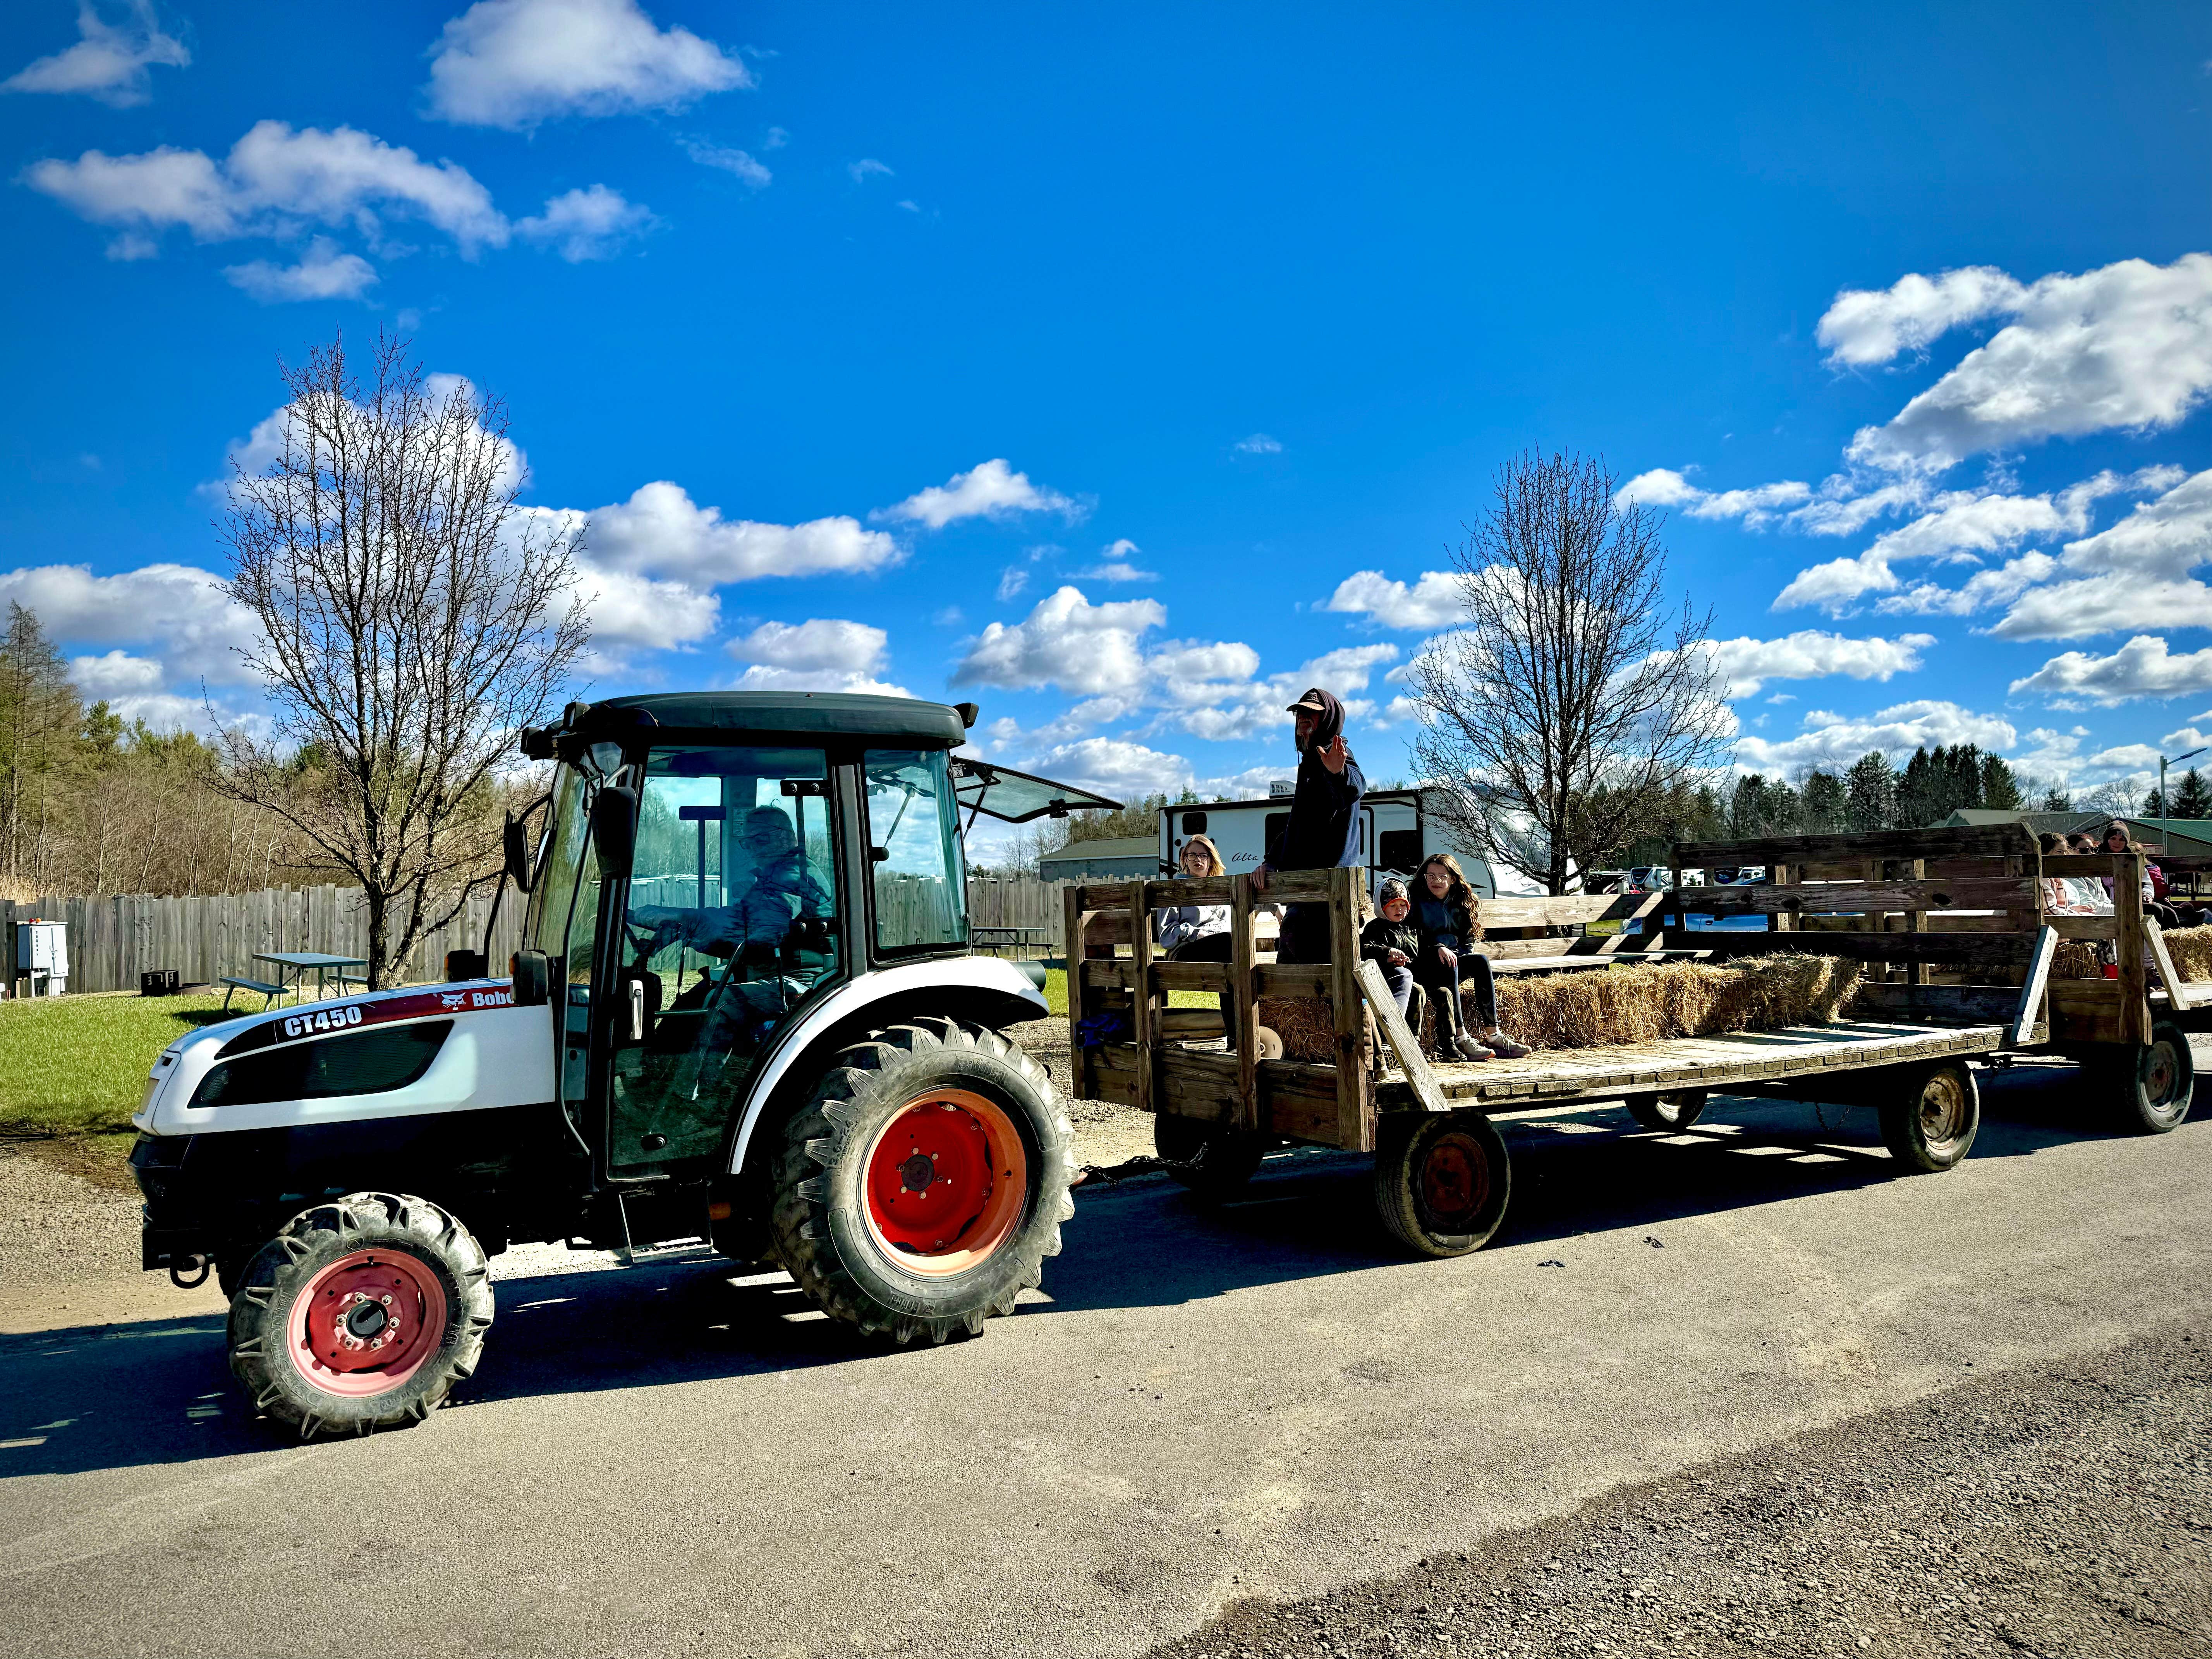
column 922, row 1188
column 360, row 1314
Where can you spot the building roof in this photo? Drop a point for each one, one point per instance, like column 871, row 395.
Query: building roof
column 2192, row 836
column 1104, row 846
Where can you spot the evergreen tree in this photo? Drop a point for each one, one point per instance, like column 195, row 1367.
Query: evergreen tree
column 1870, row 793
column 1916, row 791
column 1825, row 804
column 2153, row 804
column 2056, row 799
column 2193, row 798
column 40, row 717
column 1762, row 807
column 2000, row 785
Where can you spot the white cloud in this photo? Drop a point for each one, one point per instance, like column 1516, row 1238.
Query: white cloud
column 1012, row 581
column 187, row 612
column 1065, row 641
column 1258, row 444
column 728, row 161
column 1433, row 602
column 514, row 63
column 588, row 224
column 631, row 612
column 992, row 490
column 1661, row 487
column 1757, row 507
column 2143, row 667
column 273, row 181
column 323, row 273
column 660, row 531
column 1835, row 741
column 1864, row 327
column 1116, row 768
column 1748, row 664
column 116, row 674
column 2137, row 571
column 1982, row 591
column 867, row 167
column 2127, row 346
column 2169, row 537
column 1117, row 567
column 819, row 655
column 109, row 61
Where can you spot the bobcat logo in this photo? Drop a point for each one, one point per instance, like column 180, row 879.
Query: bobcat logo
column 453, row 1000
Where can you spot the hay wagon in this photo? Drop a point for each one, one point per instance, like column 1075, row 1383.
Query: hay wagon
column 1951, row 948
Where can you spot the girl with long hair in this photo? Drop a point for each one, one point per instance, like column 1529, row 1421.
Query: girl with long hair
column 1197, row 933
column 1450, row 918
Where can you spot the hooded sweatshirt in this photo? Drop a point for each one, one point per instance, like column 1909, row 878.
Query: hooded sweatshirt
column 1323, row 831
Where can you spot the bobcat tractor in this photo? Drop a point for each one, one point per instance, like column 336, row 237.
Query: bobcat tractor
column 743, row 1013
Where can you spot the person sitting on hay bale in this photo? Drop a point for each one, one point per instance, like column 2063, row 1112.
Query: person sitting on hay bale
column 1448, row 917
column 1391, row 942
column 1197, row 933
column 1321, row 830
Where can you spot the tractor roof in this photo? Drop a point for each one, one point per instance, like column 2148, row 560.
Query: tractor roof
column 825, row 714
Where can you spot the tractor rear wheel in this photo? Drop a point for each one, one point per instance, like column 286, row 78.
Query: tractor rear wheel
column 1442, row 1181
column 360, row 1314
column 920, row 1188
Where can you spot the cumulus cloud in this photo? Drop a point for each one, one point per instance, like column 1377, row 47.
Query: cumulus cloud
column 660, row 530
column 116, row 674
column 1433, row 602
column 728, row 161
column 2143, row 667
column 819, row 655
column 1068, row 642
column 323, row 273
column 1116, row 566
column 1866, row 327
column 1757, row 507
column 2135, row 575
column 513, row 64
column 1258, row 444
column 1748, row 664
column 274, row 181
column 992, row 490
column 2126, row 347
column 109, row 61
column 1116, row 768
column 186, row 613
column 588, row 224
column 631, row 613
column 1834, row 741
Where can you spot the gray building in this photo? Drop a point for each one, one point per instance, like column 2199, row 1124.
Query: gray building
column 1113, row 857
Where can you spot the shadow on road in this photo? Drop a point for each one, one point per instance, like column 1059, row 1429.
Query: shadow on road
column 159, row 1391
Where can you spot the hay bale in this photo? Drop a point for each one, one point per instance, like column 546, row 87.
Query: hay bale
column 2191, row 949
column 2076, row 958
column 1307, row 1026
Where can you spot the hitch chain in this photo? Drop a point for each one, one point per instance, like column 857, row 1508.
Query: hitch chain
column 1143, row 1165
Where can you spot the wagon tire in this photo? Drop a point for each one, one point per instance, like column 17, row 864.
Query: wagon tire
column 360, row 1314
column 1216, row 1164
column 1930, row 1122
column 1667, row 1113
column 919, row 1188
column 2153, row 1087
column 1442, row 1180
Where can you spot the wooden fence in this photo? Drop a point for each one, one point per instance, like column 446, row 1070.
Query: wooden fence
column 112, row 939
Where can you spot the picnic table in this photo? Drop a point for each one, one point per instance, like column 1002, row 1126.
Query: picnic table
column 293, row 968
column 991, row 936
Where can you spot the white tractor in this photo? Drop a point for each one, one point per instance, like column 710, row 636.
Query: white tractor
column 745, row 1011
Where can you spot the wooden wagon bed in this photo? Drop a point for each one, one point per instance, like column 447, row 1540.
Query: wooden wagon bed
column 1740, row 1058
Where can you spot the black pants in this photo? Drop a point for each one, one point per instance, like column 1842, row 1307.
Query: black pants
column 1442, row 984
column 1207, row 947
column 1304, row 933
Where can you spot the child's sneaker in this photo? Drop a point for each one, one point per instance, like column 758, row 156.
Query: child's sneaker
column 1467, row 1048
column 1504, row 1047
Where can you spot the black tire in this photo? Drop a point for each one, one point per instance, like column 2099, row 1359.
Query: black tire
column 1214, row 1163
column 1668, row 1112
column 1929, row 1124
column 827, row 1233
column 428, row 1251
column 1442, row 1180
column 2152, row 1096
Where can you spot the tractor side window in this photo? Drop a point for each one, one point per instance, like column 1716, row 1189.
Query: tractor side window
column 920, row 887
column 732, row 925
column 546, row 926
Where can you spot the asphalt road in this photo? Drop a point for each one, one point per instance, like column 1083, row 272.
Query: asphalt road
column 1262, row 1402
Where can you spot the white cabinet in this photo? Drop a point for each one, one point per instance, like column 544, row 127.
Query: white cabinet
column 42, row 955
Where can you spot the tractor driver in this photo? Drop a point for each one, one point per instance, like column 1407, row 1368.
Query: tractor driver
column 782, row 893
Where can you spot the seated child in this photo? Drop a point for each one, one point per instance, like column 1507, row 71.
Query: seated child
column 1390, row 942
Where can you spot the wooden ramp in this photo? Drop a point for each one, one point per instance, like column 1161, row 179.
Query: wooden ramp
column 1714, row 1063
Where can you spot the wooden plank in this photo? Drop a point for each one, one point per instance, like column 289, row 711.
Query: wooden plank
column 2038, row 977
column 1191, row 975
column 1354, row 1108
column 1140, row 984
column 1106, row 975
column 1199, row 1084
column 1400, row 1037
column 1188, row 890
column 1184, row 1025
column 1294, row 979
column 1850, row 898
column 2182, row 994
column 1566, row 910
column 1979, row 949
column 1993, row 839
column 2085, row 1010
column 1781, row 921
column 1242, row 1001
column 1915, row 922
column 2091, row 927
column 1958, row 1004
column 2135, row 978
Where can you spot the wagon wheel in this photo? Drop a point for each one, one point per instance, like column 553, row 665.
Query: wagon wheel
column 2155, row 1084
column 1668, row 1112
column 1440, row 1182
column 1930, row 1123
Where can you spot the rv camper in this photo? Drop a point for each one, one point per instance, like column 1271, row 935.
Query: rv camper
column 1395, row 837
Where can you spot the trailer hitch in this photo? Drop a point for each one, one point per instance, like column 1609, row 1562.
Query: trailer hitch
column 180, row 1267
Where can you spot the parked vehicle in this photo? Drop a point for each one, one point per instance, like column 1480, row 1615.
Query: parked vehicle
column 744, row 1013
column 1397, row 835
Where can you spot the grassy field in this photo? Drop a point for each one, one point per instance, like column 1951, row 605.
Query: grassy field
column 1056, row 993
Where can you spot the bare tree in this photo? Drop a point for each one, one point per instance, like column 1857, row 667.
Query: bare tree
column 1574, row 697
column 412, row 618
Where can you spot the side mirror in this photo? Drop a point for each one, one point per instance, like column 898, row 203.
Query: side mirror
column 514, row 846
column 533, row 979
column 466, row 964
column 614, row 830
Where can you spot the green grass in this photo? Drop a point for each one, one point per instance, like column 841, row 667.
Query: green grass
column 77, row 1065
column 1056, row 994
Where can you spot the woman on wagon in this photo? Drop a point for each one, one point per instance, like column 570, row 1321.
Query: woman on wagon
column 1450, row 918
column 1197, row 933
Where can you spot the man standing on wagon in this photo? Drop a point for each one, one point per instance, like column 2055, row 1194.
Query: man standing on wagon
column 1323, row 830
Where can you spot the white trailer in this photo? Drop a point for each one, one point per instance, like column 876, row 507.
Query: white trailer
column 1396, row 838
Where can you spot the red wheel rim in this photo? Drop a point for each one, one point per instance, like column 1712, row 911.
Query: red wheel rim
column 946, row 1181
column 367, row 1322
column 1454, row 1181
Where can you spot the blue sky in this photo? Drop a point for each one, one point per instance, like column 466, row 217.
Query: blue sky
column 1207, row 327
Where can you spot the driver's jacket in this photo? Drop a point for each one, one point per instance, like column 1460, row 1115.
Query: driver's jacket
column 783, row 891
